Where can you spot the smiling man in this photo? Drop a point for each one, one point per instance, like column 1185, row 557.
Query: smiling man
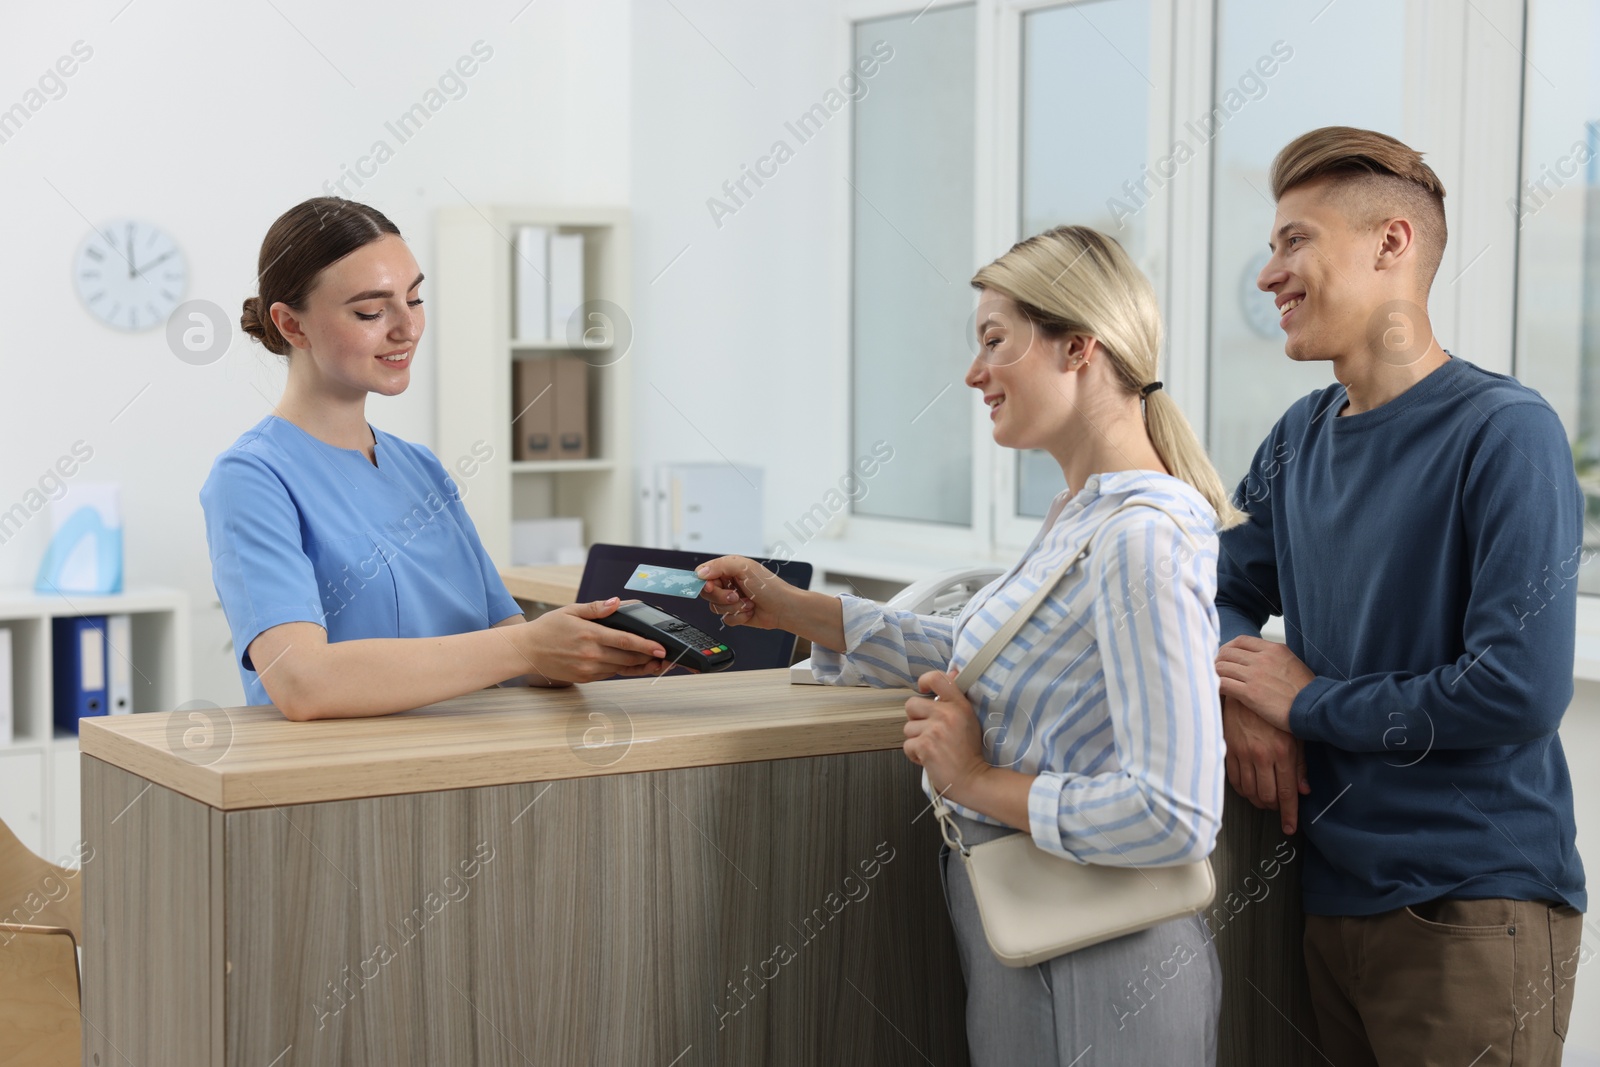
column 1402, row 521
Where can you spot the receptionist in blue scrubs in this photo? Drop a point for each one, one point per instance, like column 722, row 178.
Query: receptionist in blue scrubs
column 352, row 578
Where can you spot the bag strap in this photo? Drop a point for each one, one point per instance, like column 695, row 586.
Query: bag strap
column 991, row 648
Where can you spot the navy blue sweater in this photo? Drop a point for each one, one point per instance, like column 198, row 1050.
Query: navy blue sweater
column 1424, row 558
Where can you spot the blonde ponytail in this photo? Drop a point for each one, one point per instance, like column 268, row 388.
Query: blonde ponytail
column 1073, row 279
column 1175, row 442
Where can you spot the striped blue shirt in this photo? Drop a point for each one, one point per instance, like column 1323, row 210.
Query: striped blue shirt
column 1108, row 693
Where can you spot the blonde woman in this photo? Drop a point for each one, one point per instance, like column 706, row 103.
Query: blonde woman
column 1097, row 728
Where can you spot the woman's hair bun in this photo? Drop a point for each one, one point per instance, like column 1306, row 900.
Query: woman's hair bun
column 254, row 322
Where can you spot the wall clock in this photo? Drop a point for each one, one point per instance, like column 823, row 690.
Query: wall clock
column 130, row 275
column 1258, row 308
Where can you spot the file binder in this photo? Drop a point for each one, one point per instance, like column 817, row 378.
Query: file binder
column 79, row 654
column 119, row 664
column 533, row 420
column 571, row 377
column 566, row 288
column 531, row 269
column 7, row 733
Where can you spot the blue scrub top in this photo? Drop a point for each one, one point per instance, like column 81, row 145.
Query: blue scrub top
column 301, row 531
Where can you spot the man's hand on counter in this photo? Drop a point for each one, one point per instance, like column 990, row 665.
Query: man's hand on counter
column 1266, row 765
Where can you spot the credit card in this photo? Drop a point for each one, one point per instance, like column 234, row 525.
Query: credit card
column 668, row 580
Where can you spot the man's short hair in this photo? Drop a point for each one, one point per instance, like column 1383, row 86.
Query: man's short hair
column 1376, row 177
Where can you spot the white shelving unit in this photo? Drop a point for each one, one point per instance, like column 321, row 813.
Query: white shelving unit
column 475, row 247
column 39, row 793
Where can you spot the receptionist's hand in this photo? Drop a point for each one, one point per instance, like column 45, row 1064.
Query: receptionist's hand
column 565, row 646
column 744, row 593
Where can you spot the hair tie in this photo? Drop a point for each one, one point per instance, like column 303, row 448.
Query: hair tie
column 1147, row 390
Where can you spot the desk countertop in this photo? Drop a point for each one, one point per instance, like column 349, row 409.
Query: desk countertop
column 238, row 758
column 548, row 583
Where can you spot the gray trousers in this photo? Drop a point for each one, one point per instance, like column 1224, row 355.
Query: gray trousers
column 1147, row 999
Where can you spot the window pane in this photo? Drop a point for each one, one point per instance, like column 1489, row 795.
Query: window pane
column 1312, row 83
column 912, row 256
column 1085, row 164
column 1558, row 242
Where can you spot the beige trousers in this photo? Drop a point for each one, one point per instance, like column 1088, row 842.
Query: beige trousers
column 1457, row 983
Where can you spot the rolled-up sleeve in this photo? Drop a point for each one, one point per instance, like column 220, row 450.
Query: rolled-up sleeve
column 884, row 648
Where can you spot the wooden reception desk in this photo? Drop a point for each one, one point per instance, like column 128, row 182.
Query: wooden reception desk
column 720, row 869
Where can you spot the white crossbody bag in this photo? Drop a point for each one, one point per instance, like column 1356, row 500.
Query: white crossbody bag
column 1036, row 905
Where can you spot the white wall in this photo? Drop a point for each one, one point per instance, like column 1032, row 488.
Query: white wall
column 209, row 120
column 739, row 350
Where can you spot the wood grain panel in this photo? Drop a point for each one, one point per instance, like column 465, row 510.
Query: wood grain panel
column 767, row 911
column 630, row 918
column 153, row 974
column 1257, row 922
column 253, row 757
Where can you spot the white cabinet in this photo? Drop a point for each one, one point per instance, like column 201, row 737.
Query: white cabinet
column 39, row 769
column 65, row 828
column 22, row 795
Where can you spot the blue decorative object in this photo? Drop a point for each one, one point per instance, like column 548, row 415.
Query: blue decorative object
column 85, row 554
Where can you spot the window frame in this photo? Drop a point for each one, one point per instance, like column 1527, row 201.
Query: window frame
column 936, row 538
column 1587, row 653
column 1012, row 530
column 1474, row 55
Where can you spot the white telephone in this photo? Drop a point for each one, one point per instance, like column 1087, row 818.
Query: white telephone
column 939, row 594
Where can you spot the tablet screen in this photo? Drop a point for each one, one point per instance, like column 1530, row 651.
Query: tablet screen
column 608, row 571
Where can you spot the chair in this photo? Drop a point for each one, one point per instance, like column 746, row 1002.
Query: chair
column 34, row 892
column 40, row 1001
column 41, row 923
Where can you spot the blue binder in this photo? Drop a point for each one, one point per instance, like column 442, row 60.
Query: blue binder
column 78, row 647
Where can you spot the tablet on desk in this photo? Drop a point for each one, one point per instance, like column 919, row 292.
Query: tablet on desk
column 654, row 575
